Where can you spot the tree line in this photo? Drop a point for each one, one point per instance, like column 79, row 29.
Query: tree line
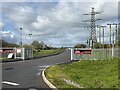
column 35, row 45
column 96, row 45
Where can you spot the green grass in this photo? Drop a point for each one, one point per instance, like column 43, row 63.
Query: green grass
column 88, row 74
column 47, row 52
column 3, row 58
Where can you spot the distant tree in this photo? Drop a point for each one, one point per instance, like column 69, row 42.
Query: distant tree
column 80, row 46
column 36, row 45
column 44, row 46
column 27, row 46
column 97, row 45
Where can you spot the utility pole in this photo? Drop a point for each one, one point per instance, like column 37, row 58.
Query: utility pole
column 110, row 33
column 116, row 34
column 114, row 37
column 92, row 38
column 103, row 27
column 99, row 27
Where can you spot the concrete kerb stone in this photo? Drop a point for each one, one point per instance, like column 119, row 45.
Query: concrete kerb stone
column 47, row 82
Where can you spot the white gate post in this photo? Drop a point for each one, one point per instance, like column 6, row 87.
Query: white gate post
column 32, row 53
column 15, row 51
column 112, row 50
column 71, row 54
column 23, row 53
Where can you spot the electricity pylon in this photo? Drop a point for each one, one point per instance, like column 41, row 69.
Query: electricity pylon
column 92, row 38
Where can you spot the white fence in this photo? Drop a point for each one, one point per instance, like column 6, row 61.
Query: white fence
column 23, row 53
column 97, row 54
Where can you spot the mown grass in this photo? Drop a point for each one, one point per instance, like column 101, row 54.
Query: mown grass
column 47, row 52
column 86, row 73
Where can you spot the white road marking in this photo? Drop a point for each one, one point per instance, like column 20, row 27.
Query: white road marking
column 10, row 83
column 40, row 69
column 32, row 89
column 43, row 66
column 38, row 73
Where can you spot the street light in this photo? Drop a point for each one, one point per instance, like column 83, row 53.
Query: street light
column 31, row 45
column 30, row 37
column 21, row 36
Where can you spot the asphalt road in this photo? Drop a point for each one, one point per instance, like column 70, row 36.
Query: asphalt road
column 27, row 74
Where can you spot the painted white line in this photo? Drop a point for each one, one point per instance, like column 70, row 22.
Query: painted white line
column 38, row 73
column 40, row 69
column 32, row 89
column 10, row 83
column 43, row 66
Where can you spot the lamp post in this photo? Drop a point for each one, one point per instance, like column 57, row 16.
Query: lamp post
column 31, row 46
column 21, row 37
column 30, row 38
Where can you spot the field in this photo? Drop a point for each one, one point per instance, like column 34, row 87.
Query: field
column 84, row 74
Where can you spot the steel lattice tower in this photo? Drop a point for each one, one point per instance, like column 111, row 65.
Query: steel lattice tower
column 93, row 28
column 92, row 38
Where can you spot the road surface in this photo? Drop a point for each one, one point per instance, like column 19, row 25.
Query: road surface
column 27, row 74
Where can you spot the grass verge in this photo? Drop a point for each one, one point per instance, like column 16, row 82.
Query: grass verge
column 47, row 52
column 4, row 59
column 84, row 73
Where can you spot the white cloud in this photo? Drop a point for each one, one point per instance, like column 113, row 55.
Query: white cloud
column 9, row 36
column 60, row 23
column 1, row 25
column 41, row 22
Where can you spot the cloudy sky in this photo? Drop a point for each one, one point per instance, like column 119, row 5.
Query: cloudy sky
column 57, row 23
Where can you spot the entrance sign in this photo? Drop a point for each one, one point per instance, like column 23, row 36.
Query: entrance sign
column 19, row 50
column 10, row 55
column 83, row 51
column 7, row 50
column 79, row 53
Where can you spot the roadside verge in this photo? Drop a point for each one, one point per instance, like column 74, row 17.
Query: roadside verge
column 46, row 81
column 50, row 85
